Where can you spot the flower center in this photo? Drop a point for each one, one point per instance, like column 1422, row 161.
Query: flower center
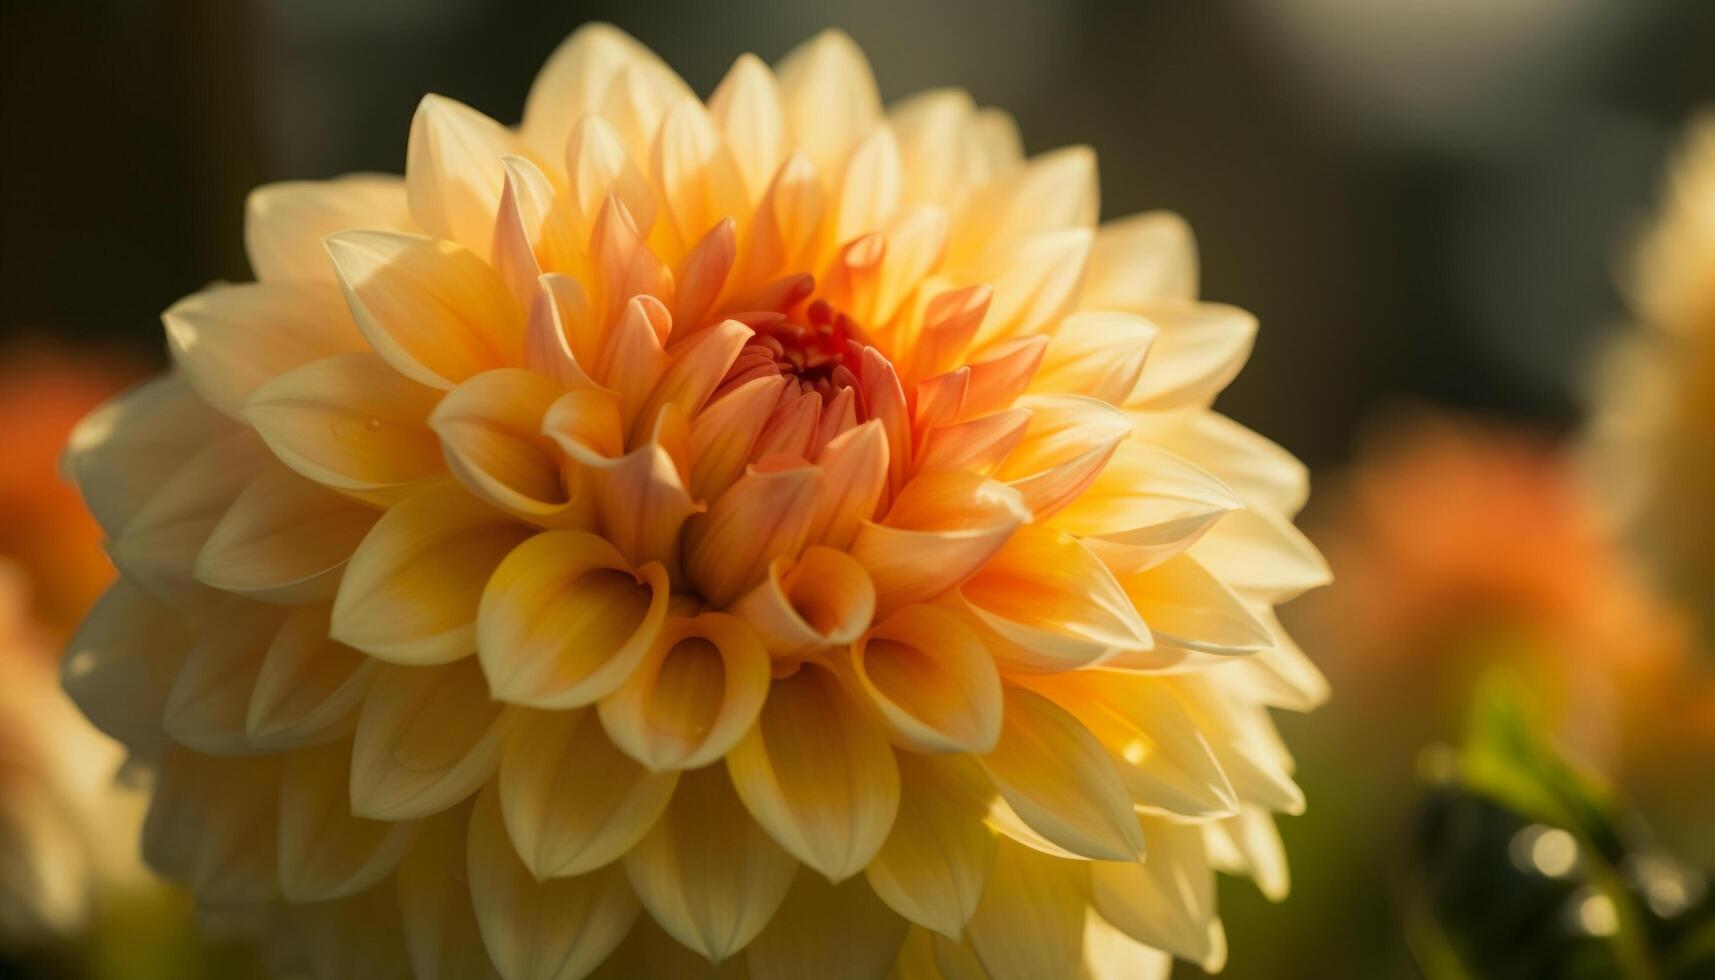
column 820, row 350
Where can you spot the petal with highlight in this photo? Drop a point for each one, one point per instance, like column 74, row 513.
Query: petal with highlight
column 942, row 528
column 284, row 223
column 453, row 174
column 830, row 97
column 1030, row 923
column 823, row 598
column 1167, row 901
column 491, row 433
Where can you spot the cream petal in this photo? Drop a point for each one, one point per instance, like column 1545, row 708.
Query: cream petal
column 1152, row 739
column 572, row 82
column 942, row 528
column 724, row 433
column 564, row 620
column 559, row 336
column 1167, row 901
column 1146, row 506
column 707, row 873
column 1070, row 440
column 1142, row 261
column 1189, row 608
column 411, row 590
column 929, row 126
column 436, row 312
column 1250, row 844
column 1030, row 923
column 870, row 188
column 916, row 243
column 830, row 97
column 635, row 103
column 159, row 546
column 123, row 451
column 491, row 433
column 956, row 961
column 559, row 929
column 351, row 423
column 210, row 698
column 1048, row 595
column 1262, row 554
column 1051, row 192
column 1245, row 743
column 1199, row 349
column 572, row 801
column 324, row 851
column 823, row 598
column 427, row 738
column 121, row 663
column 932, row 681
column 694, row 697
column 1035, row 281
column 1263, row 474
column 1096, row 353
column 696, row 174
column 764, row 515
column 935, row 863
column 1057, row 777
column 599, row 167
column 1112, row 955
column 284, row 223
column 309, row 687
column 229, row 340
column 435, row 903
column 854, row 468
column 211, row 826
column 284, row 539
column 1282, row 676
column 747, row 108
column 818, row 774
column 453, row 174
column 836, row 932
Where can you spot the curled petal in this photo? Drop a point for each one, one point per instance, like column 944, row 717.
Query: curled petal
column 707, row 873
column 1057, row 778
column 1099, row 354
column 936, row 860
column 427, row 738
column 410, row 593
column 696, row 368
column 532, row 232
column 559, row 336
column 624, row 265
column 435, row 904
column 695, row 696
column 747, row 108
column 120, row 665
column 284, row 539
column 434, row 311
column 823, row 598
column 565, row 620
column 942, row 529
column 491, row 433
column 1068, row 443
column 932, row 680
column 1030, row 923
column 228, row 340
column 352, row 423
column 284, row 223
column 818, row 774
column 635, row 357
column 1190, row 609
column 704, row 274
column 309, row 686
column 122, row 452
column 573, row 802
column 762, row 516
column 210, row 698
column 1142, row 261
column 1167, row 901
column 836, row 932
column 559, row 929
column 453, row 173
column 830, row 97
column 324, row 851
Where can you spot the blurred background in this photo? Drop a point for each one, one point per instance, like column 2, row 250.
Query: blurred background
column 1429, row 205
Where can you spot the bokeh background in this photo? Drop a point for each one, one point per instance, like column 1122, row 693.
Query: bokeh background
column 1428, row 205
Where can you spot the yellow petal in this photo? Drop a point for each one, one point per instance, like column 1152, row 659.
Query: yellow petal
column 1167, row 901
column 1030, row 923
column 491, row 432
column 1199, row 349
column 352, row 423
column 1035, row 282
column 229, row 340
column 410, row 593
column 427, row 738
column 533, row 231
column 1054, row 191
column 762, row 516
column 284, row 539
column 565, row 620
column 211, row 826
column 707, row 873
column 1263, row 474
column 284, row 223
column 697, row 176
column 572, row 801
column 434, row 310
column 121, row 663
column 355, row 938
column 1099, row 354
column 1146, row 506
column 1142, row 261
column 210, row 698
column 1188, row 608
column 1112, row 955
column 1057, row 777
column 1261, row 554
column 324, row 851
column 929, row 126
column 309, row 687
column 1250, row 844
column 916, row 241
column 635, row 357
column 635, row 103
column 818, row 774
column 723, row 434
column 747, row 108
column 435, row 904
column 695, row 696
column 453, row 174
column 830, row 97
column 598, row 166
column 1245, row 743
column 1055, row 602
column 837, row 932
column 786, row 227
column 942, row 528
column 936, row 860
column 123, row 451
column 871, row 188
column 823, row 598
column 854, row 468
column 1069, row 442
column 650, row 952
column 559, row 929
column 574, row 79
column 932, row 681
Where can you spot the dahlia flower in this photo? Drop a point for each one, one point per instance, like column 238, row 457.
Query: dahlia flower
column 767, row 537
column 1654, row 430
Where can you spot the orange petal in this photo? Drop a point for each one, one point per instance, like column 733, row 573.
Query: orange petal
column 704, row 274
column 560, row 337
column 762, row 516
column 724, row 434
column 532, row 232
column 854, row 478
column 696, row 368
column 823, row 598
column 942, row 529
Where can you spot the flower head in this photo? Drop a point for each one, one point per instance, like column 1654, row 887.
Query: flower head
column 772, row 531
